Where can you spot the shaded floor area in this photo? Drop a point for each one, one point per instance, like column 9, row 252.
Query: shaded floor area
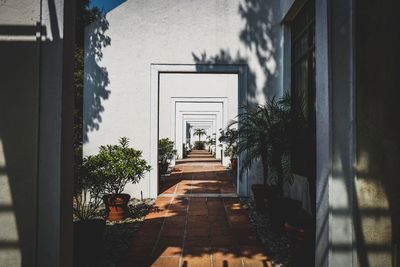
column 197, row 221
column 201, row 174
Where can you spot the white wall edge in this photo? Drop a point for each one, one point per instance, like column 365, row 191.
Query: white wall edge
column 155, row 70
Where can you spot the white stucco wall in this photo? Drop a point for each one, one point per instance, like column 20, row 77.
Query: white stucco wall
column 195, row 92
column 203, row 106
column 172, row 32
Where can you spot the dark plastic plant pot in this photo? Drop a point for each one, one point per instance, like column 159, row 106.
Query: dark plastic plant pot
column 234, row 164
column 162, row 168
column 259, row 196
column 300, row 230
column 116, row 206
column 283, row 210
column 88, row 240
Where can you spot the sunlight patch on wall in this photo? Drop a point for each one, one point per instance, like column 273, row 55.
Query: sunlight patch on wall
column 10, row 253
column 374, row 214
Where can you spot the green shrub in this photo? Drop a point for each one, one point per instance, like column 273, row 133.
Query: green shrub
column 229, row 137
column 88, row 193
column 199, row 145
column 166, row 152
column 115, row 166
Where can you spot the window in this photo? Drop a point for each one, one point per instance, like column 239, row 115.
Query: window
column 302, row 30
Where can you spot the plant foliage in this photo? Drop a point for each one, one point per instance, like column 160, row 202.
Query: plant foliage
column 87, row 194
column 265, row 133
column 199, row 132
column 211, row 142
column 199, row 145
column 116, row 165
column 229, row 137
column 166, row 152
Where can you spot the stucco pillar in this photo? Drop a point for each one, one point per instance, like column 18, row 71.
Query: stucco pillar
column 36, row 124
column 335, row 103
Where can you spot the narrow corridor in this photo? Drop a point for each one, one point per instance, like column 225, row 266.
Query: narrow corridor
column 197, row 220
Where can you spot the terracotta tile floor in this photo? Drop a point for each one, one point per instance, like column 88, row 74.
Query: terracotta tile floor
column 197, row 222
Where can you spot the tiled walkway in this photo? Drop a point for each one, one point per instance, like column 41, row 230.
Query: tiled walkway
column 197, row 221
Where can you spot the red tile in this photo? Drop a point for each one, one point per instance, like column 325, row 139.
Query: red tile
column 226, row 256
column 197, row 241
column 196, row 257
column 222, row 240
column 167, row 251
column 172, row 232
column 166, row 262
column 198, row 232
column 220, row 223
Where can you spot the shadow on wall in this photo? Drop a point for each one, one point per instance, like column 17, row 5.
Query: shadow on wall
column 225, row 58
column 376, row 189
column 261, row 38
column 21, row 67
column 95, row 76
column 18, row 144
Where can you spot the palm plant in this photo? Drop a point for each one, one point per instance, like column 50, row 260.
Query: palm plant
column 199, row 132
column 265, row 133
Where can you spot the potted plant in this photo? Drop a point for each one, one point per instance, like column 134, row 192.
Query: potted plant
column 231, row 152
column 199, row 132
column 211, row 143
column 265, row 134
column 208, row 143
column 229, row 138
column 88, row 225
column 199, row 145
column 166, row 153
column 117, row 165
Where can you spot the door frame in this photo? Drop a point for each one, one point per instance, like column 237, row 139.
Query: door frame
column 155, row 71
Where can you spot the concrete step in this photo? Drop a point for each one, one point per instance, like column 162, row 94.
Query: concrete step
column 199, row 152
column 200, row 156
column 189, row 160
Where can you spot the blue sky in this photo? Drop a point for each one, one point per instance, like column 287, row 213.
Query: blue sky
column 106, row 5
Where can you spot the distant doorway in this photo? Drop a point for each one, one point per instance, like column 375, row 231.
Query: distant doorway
column 200, row 78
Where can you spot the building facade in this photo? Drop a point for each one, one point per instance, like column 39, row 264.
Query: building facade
column 351, row 46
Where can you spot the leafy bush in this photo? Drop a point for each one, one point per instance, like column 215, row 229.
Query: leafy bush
column 199, row 145
column 229, row 137
column 116, row 165
column 211, row 142
column 87, row 194
column 166, row 153
column 231, row 151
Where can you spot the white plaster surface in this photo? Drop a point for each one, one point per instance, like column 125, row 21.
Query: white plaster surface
column 175, row 32
column 196, row 105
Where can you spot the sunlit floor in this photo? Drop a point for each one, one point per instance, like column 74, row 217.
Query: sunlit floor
column 197, row 221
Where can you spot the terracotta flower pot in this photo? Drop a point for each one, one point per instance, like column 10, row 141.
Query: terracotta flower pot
column 116, row 206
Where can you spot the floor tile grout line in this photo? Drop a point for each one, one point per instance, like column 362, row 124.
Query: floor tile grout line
column 210, row 247
column 161, row 229
column 184, row 234
column 176, row 186
column 207, row 195
column 230, row 227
